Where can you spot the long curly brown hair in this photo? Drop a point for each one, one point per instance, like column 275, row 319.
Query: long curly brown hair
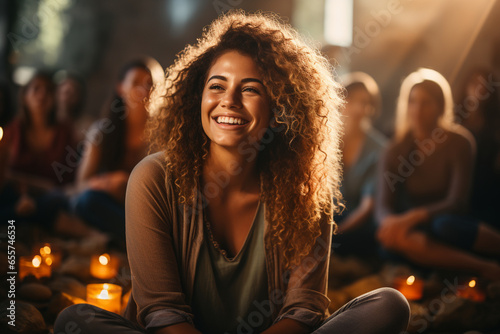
column 300, row 166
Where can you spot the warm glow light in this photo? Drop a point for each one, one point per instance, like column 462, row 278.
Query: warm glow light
column 45, row 250
column 104, row 294
column 472, row 283
column 410, row 280
column 338, row 24
column 104, row 259
column 37, row 260
column 1, row 133
column 48, row 261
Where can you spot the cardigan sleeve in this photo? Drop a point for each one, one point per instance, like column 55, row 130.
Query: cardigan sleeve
column 306, row 298
column 156, row 284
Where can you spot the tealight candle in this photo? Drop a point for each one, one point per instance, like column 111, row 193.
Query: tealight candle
column 103, row 266
column 49, row 256
column 1, row 133
column 106, row 296
column 411, row 287
column 33, row 266
column 471, row 291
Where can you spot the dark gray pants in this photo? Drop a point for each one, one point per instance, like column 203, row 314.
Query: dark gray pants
column 382, row 311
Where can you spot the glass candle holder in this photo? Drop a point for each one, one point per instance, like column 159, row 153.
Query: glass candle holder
column 33, row 266
column 106, row 296
column 411, row 287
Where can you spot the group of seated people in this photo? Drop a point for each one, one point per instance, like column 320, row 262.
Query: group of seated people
column 62, row 172
column 429, row 194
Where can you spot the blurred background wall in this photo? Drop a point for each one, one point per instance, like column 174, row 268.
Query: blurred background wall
column 388, row 38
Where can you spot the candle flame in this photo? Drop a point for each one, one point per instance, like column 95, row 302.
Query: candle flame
column 410, row 280
column 48, row 261
column 1, row 133
column 37, row 260
column 104, row 294
column 472, row 283
column 104, row 259
column 45, row 250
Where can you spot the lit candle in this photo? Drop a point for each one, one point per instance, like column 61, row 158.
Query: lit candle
column 471, row 291
column 103, row 266
column 1, row 133
column 49, row 256
column 411, row 287
column 33, row 266
column 106, row 296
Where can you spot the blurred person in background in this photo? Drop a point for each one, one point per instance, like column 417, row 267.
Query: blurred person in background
column 115, row 144
column 362, row 147
column 425, row 176
column 33, row 189
column 478, row 110
column 70, row 97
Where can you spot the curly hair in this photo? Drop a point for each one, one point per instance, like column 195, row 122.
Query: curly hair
column 300, row 163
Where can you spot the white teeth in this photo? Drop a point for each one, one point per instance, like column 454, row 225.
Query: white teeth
column 230, row 120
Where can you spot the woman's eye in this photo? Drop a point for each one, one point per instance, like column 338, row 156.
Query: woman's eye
column 215, row 86
column 251, row 90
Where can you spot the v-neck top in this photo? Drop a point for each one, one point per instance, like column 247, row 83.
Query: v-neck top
column 229, row 293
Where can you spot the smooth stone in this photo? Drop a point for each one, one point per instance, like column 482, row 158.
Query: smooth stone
column 76, row 266
column 28, row 319
column 34, row 292
column 69, row 285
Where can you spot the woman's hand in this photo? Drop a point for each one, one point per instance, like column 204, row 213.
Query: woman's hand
column 394, row 228
column 113, row 183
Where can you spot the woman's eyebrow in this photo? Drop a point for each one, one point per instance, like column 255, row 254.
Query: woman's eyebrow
column 220, row 77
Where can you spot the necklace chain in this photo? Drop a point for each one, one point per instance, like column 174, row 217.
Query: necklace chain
column 214, row 242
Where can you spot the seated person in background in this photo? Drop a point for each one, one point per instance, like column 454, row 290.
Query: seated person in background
column 70, row 96
column 115, row 145
column 362, row 146
column 426, row 173
column 478, row 110
column 33, row 189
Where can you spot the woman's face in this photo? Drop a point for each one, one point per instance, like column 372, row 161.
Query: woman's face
column 359, row 105
column 69, row 94
column 39, row 98
column 135, row 87
column 235, row 106
column 423, row 110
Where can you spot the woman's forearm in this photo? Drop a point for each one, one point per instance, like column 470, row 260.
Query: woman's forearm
column 359, row 216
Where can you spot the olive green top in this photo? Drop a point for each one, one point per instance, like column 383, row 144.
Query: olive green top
column 230, row 294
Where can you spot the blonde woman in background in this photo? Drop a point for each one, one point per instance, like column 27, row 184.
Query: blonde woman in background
column 424, row 177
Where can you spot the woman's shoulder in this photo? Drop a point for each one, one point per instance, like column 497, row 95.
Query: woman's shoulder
column 153, row 165
column 460, row 138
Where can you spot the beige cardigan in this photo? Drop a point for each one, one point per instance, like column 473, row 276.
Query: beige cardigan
column 163, row 242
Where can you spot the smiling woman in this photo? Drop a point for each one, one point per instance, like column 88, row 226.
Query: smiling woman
column 229, row 226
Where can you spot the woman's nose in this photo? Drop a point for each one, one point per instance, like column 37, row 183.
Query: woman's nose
column 231, row 99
